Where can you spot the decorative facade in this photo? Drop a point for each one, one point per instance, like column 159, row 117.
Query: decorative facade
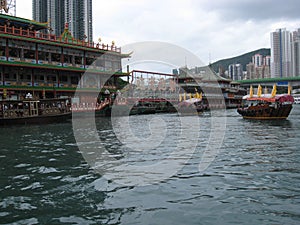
column 48, row 66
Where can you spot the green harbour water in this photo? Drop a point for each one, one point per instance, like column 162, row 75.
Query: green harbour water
column 254, row 178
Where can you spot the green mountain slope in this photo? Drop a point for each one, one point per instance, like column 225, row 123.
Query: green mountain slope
column 242, row 59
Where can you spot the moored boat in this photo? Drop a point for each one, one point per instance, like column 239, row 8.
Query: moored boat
column 32, row 111
column 87, row 110
column 297, row 98
column 193, row 106
column 266, row 106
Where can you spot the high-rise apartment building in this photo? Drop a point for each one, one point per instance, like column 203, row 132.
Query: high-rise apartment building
column 235, row 71
column 77, row 13
column 296, row 53
column 39, row 11
column 257, row 60
column 281, row 54
column 267, row 61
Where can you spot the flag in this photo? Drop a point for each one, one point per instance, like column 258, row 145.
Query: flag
column 274, row 91
column 259, row 91
column 251, row 92
column 289, row 89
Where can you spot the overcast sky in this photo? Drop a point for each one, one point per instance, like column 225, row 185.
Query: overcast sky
column 214, row 29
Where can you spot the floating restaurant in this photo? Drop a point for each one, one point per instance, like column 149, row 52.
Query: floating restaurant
column 32, row 60
column 217, row 91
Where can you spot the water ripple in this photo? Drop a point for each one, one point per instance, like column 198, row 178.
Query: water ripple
column 253, row 180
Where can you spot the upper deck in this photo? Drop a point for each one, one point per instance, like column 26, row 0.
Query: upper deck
column 33, row 59
column 29, row 30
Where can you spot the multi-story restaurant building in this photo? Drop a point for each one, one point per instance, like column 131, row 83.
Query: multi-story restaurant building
column 216, row 90
column 281, row 55
column 78, row 14
column 48, row 66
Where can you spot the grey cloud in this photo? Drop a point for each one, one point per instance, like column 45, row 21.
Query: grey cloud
column 254, row 9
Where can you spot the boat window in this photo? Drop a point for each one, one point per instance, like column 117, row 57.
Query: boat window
column 26, row 105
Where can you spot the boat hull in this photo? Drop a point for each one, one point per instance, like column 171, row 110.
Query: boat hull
column 266, row 113
column 36, row 119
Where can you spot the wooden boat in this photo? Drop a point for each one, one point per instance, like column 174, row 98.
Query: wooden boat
column 193, row 106
column 142, row 108
column 266, row 106
column 87, row 110
column 134, row 106
column 31, row 111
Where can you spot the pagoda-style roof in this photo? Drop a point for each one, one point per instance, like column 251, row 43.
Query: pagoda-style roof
column 19, row 22
column 66, row 36
column 204, row 73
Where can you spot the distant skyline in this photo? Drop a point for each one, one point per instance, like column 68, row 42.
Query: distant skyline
column 211, row 30
column 77, row 13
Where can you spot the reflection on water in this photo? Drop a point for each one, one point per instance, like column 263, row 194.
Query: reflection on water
column 253, row 180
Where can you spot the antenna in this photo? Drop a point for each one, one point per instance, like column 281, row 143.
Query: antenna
column 8, row 7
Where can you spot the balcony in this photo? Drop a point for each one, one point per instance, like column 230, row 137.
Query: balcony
column 53, row 38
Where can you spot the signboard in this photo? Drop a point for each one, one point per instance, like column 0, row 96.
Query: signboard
column 282, row 83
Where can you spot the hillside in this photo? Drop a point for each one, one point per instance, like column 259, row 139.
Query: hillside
column 242, row 59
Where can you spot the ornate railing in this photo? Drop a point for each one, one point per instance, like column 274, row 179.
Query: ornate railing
column 51, row 37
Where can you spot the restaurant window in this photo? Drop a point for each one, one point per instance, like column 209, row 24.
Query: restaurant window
column 14, row 52
column 74, row 80
column 55, row 57
column 89, row 61
column 64, row 78
column 2, row 50
column 78, row 60
column 29, row 54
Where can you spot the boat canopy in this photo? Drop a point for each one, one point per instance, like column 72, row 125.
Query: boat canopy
column 189, row 102
column 268, row 98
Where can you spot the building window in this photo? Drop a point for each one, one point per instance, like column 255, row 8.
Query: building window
column 55, row 57
column 64, row 79
column 29, row 54
column 78, row 60
column 14, row 52
column 2, row 50
column 74, row 80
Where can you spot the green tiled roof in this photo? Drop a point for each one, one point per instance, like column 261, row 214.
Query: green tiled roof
column 269, row 80
column 23, row 21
